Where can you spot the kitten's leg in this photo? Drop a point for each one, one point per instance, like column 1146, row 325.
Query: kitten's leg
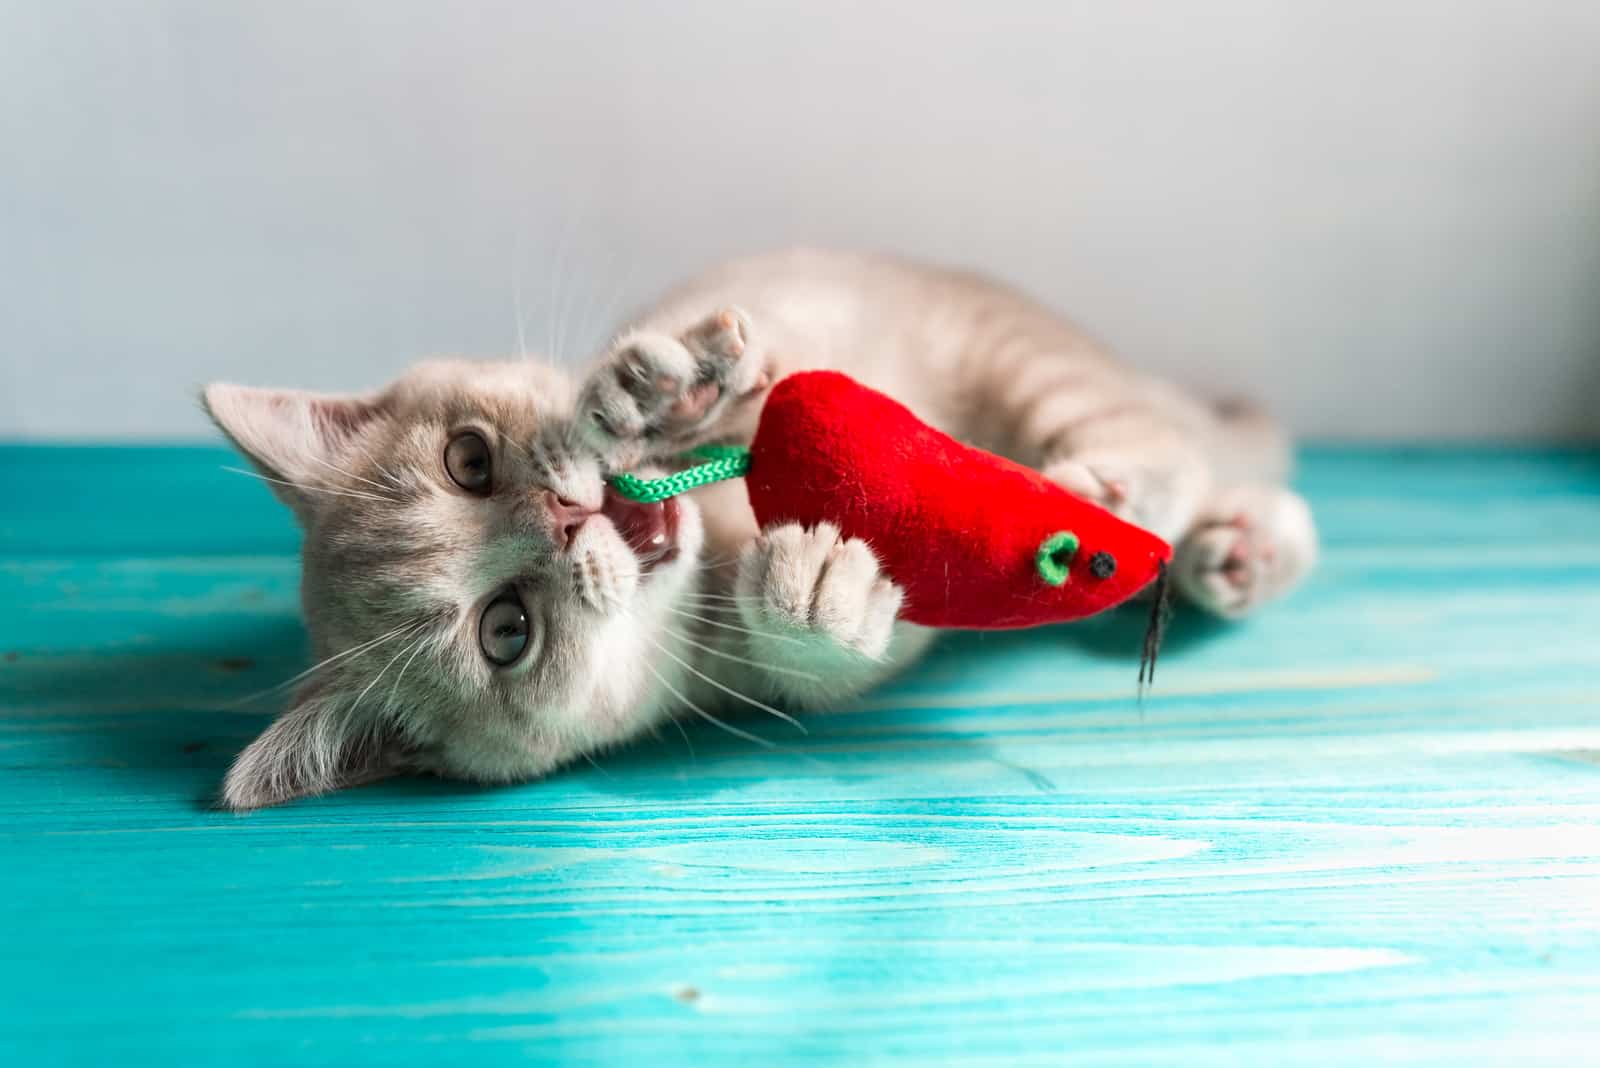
column 1236, row 547
column 1134, row 463
column 818, row 605
column 1138, row 446
column 655, row 395
column 1251, row 543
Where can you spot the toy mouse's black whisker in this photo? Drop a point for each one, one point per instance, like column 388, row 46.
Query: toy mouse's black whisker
column 1155, row 630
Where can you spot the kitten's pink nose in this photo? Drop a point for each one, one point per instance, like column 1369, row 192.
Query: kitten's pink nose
column 566, row 517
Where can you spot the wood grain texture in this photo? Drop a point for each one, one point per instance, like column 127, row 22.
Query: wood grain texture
column 1365, row 826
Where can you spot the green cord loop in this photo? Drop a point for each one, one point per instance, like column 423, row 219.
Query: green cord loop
column 721, row 462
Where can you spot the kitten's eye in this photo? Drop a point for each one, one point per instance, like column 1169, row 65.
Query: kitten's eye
column 503, row 630
column 466, row 461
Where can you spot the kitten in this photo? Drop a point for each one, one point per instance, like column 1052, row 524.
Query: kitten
column 482, row 607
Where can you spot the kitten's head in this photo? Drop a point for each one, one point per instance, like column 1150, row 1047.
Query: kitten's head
column 486, row 607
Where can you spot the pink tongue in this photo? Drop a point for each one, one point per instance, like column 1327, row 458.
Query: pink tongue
column 643, row 526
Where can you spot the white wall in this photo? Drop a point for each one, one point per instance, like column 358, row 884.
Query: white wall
column 1383, row 217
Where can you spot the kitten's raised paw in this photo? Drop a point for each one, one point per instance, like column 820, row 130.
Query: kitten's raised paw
column 817, row 588
column 1254, row 543
column 655, row 392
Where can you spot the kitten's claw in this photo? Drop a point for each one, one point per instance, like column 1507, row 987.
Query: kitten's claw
column 818, row 588
column 654, row 392
column 1254, row 545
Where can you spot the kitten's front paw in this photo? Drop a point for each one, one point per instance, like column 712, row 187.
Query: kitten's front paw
column 654, row 392
column 812, row 585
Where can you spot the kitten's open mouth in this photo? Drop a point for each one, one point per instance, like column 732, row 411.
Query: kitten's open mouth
column 651, row 530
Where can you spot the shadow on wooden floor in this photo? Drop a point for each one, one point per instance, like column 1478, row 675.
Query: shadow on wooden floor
column 184, row 713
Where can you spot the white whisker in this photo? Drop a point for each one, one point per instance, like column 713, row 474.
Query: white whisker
column 563, row 324
column 583, row 298
column 415, row 649
column 380, row 487
column 368, row 689
column 741, row 630
column 714, row 651
column 694, row 757
column 729, row 690
column 703, row 568
column 612, row 305
column 394, row 480
column 549, row 316
column 356, row 494
column 516, row 293
column 703, row 714
column 559, row 309
column 723, row 597
column 725, row 607
column 314, row 668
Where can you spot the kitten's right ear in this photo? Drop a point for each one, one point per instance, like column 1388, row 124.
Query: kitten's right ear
column 311, row 749
column 289, row 435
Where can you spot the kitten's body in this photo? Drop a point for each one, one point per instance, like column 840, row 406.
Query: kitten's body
column 795, row 617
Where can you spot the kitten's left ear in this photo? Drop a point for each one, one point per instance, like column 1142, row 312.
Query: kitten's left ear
column 290, row 435
column 311, row 749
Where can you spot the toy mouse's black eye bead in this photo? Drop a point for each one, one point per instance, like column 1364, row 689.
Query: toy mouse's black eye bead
column 1102, row 565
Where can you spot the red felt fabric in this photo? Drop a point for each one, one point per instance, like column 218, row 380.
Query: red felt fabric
column 958, row 528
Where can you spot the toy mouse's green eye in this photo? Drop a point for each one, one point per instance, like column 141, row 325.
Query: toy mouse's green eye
column 1055, row 556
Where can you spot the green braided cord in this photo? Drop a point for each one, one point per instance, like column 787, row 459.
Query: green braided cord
column 1055, row 556
column 722, row 462
column 722, row 452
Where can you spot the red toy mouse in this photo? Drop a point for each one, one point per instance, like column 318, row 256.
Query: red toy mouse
column 975, row 540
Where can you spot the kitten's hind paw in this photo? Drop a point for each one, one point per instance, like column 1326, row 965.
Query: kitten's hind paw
column 1253, row 544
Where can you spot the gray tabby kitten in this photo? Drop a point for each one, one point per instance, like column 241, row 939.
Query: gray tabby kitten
column 483, row 608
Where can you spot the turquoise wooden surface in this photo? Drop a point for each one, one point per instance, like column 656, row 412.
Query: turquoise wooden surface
column 1364, row 826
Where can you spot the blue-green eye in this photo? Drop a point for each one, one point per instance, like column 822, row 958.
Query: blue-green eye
column 503, row 629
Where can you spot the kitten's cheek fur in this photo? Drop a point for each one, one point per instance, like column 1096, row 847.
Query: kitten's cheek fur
column 609, row 702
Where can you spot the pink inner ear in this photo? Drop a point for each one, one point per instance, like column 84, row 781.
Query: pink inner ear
column 332, row 418
column 290, row 434
column 340, row 418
